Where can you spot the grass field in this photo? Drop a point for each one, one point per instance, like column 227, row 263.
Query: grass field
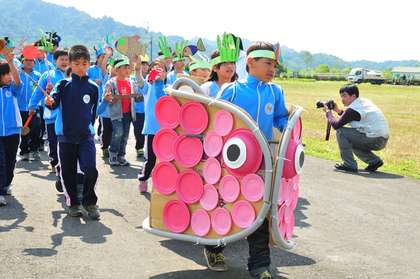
column 400, row 104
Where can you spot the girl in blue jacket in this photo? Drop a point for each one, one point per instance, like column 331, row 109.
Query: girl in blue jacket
column 10, row 123
column 152, row 91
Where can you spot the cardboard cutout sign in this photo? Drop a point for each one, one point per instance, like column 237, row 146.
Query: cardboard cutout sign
column 130, row 46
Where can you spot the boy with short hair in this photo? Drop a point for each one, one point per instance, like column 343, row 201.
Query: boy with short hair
column 29, row 144
column 10, row 88
column 118, row 94
column 264, row 101
column 76, row 100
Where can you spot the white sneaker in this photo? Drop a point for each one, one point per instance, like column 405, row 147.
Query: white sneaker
column 3, row 201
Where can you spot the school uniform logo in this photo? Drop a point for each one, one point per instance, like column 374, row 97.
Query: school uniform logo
column 8, row 94
column 269, row 108
column 86, row 99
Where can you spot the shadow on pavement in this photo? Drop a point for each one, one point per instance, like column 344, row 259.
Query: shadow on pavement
column 15, row 212
column 32, row 166
column 236, row 258
column 376, row 174
column 299, row 214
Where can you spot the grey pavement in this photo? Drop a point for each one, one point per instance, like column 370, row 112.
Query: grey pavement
column 347, row 226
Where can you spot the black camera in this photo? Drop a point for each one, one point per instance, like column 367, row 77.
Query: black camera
column 330, row 104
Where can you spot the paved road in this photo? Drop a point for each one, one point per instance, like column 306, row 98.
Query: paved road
column 348, row 226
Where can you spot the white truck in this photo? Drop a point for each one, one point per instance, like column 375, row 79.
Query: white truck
column 359, row 75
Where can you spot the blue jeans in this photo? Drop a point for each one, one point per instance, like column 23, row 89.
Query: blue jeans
column 120, row 132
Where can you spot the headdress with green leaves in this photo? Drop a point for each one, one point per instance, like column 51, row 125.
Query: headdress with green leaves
column 164, row 47
column 228, row 49
column 179, row 51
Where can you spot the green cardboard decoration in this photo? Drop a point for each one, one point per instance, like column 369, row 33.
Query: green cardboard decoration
column 179, row 51
column 130, row 46
column 228, row 49
column 164, row 47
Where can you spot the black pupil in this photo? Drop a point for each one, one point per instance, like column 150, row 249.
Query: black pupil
column 301, row 159
column 233, row 152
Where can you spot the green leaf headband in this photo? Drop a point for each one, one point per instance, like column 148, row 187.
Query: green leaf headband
column 228, row 49
column 179, row 51
column 46, row 44
column 200, row 64
column 164, row 47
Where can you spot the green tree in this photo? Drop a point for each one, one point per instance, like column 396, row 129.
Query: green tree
column 322, row 69
column 307, row 58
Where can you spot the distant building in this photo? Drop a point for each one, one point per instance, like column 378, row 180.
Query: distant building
column 406, row 75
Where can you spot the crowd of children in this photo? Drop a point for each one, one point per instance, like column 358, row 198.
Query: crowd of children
column 63, row 90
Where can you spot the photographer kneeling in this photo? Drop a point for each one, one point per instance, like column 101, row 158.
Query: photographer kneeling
column 368, row 130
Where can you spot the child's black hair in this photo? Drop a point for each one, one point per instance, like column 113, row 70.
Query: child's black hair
column 213, row 75
column 4, row 69
column 77, row 52
column 259, row 46
column 60, row 52
column 68, row 72
column 350, row 89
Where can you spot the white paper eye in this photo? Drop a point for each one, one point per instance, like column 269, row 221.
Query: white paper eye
column 299, row 158
column 234, row 153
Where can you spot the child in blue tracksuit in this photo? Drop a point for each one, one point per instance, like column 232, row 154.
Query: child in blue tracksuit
column 264, row 101
column 47, row 82
column 138, row 125
column 97, row 73
column 30, row 142
column 103, row 113
column 152, row 91
column 76, row 99
column 10, row 123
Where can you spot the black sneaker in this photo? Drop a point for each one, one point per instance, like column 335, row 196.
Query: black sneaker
column 343, row 167
column 266, row 274
column 75, row 211
column 374, row 167
column 215, row 261
column 93, row 211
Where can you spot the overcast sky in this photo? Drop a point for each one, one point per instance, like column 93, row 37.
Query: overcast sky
column 352, row 30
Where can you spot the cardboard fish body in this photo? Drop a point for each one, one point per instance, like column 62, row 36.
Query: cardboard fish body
column 215, row 177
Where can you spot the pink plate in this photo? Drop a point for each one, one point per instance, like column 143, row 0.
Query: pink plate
column 229, row 188
column 176, row 216
column 188, row 151
column 193, row 118
column 210, row 197
column 213, row 144
column 200, row 222
column 223, row 123
column 243, row 214
column 189, row 186
column 163, row 144
column 212, row 171
column 164, row 177
column 221, row 221
column 252, row 187
column 167, row 112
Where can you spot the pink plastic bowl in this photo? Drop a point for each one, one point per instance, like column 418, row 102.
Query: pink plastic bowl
column 242, row 154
